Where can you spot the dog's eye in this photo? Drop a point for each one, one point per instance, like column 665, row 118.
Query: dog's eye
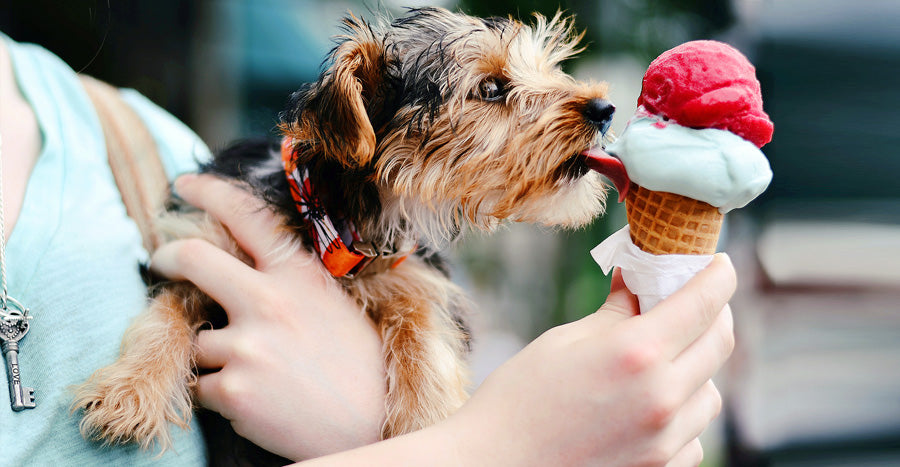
column 491, row 89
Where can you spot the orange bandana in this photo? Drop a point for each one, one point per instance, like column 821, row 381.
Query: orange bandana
column 344, row 252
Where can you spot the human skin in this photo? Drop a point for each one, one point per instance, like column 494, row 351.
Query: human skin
column 303, row 378
column 21, row 143
column 299, row 362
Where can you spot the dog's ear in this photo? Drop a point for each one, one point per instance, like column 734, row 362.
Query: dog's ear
column 334, row 112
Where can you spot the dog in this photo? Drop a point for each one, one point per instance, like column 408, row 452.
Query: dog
column 419, row 128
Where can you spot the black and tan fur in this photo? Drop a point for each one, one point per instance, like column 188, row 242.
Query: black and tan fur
column 418, row 129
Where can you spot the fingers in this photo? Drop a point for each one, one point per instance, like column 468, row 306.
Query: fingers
column 620, row 304
column 683, row 317
column 213, row 349
column 226, row 391
column 701, row 408
column 707, row 354
column 693, row 418
column 620, row 300
column 691, row 455
column 231, row 205
column 212, row 393
column 221, row 276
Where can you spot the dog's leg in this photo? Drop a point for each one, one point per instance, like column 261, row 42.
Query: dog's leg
column 424, row 351
column 149, row 386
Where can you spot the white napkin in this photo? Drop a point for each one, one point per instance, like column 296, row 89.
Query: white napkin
column 651, row 277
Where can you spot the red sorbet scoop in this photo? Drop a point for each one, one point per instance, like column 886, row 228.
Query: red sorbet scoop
column 707, row 84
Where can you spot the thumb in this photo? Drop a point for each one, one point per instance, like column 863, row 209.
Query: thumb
column 620, row 300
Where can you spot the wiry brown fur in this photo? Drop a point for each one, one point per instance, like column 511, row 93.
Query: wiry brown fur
column 151, row 384
column 423, row 347
column 148, row 387
column 418, row 129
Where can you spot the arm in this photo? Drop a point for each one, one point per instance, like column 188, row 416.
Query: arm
column 615, row 388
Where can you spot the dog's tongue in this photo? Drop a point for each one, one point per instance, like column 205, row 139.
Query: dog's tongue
column 611, row 167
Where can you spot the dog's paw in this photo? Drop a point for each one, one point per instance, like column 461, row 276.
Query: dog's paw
column 121, row 407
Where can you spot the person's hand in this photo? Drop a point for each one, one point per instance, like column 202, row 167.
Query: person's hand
column 301, row 372
column 613, row 389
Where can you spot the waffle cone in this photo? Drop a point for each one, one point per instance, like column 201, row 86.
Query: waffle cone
column 665, row 223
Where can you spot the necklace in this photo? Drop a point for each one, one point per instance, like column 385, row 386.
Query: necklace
column 13, row 323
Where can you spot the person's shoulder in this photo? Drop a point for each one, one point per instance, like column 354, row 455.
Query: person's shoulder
column 33, row 52
column 180, row 148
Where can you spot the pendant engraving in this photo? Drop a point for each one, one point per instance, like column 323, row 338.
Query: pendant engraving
column 13, row 327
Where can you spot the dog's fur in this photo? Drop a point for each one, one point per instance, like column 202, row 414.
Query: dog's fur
column 418, row 129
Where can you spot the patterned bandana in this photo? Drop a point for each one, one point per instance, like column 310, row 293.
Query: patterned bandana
column 342, row 250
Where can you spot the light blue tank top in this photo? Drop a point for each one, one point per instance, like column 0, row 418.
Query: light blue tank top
column 73, row 258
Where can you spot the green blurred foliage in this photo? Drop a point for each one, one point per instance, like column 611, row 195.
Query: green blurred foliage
column 644, row 28
column 581, row 284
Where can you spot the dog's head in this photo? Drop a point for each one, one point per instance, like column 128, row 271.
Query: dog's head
column 459, row 119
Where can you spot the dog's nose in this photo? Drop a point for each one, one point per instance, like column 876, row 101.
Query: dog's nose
column 599, row 112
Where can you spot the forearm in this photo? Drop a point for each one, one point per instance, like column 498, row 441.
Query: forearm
column 433, row 446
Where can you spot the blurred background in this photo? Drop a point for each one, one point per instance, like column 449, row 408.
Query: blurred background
column 815, row 380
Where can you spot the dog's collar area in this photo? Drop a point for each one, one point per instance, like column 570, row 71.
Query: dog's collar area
column 339, row 244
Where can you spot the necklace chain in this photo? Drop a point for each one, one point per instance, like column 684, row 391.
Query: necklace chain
column 13, row 323
column 3, row 291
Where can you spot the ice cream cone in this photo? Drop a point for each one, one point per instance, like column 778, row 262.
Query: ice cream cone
column 665, row 223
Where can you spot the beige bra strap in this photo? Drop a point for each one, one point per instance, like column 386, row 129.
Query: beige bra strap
column 133, row 157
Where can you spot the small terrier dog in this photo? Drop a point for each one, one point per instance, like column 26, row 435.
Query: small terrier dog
column 419, row 128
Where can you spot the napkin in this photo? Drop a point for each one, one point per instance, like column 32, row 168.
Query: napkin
column 651, row 277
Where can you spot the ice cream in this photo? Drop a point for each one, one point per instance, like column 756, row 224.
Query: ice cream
column 692, row 148
column 707, row 84
column 689, row 155
column 710, row 165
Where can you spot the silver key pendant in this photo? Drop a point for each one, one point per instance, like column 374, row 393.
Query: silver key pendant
column 13, row 327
